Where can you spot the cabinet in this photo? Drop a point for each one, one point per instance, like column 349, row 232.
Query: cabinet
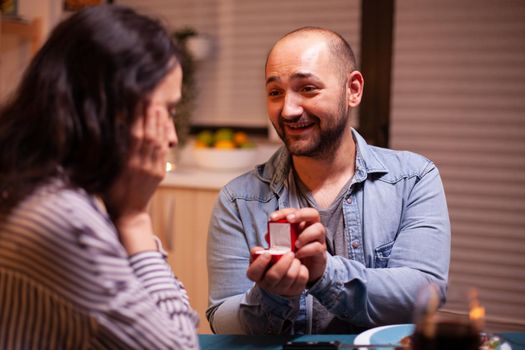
column 180, row 218
column 19, row 41
column 28, row 30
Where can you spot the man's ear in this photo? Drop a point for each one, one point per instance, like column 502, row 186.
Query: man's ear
column 355, row 84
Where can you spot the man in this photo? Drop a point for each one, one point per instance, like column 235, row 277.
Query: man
column 374, row 222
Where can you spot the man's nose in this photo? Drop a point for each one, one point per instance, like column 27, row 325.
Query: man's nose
column 292, row 106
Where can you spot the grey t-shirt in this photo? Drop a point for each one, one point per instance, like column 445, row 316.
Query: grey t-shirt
column 337, row 244
column 332, row 217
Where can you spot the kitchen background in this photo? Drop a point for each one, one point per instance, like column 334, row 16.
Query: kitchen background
column 455, row 92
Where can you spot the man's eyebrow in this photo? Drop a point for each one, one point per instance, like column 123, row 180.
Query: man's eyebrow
column 295, row 76
column 301, row 75
column 272, row 79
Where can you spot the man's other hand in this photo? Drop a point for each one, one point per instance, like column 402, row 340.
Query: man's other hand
column 287, row 277
column 311, row 243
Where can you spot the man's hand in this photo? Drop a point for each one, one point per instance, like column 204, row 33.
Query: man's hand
column 287, row 277
column 311, row 243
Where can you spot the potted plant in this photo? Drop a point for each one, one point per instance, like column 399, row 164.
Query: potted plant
column 186, row 106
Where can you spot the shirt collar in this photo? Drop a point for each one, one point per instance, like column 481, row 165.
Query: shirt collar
column 366, row 161
column 276, row 170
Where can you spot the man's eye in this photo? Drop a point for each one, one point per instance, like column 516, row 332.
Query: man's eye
column 274, row 93
column 308, row 88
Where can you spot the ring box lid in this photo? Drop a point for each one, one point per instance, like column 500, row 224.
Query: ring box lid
column 281, row 236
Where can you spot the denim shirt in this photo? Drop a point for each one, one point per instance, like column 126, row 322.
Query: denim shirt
column 397, row 225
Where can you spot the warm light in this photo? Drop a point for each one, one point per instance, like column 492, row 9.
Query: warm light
column 170, row 167
column 477, row 312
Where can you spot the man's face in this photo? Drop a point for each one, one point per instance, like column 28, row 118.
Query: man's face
column 306, row 97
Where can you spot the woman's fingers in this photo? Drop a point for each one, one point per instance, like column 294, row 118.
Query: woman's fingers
column 152, row 124
column 152, row 135
column 172, row 135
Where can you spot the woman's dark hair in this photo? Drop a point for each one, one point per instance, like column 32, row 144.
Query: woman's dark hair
column 73, row 109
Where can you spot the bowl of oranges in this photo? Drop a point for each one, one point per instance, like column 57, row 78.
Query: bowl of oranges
column 224, row 149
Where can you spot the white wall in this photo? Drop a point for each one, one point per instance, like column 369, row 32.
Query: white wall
column 458, row 98
column 231, row 81
column 15, row 53
column 49, row 10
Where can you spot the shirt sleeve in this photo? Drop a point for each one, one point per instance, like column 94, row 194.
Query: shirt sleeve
column 420, row 256
column 135, row 301
column 237, row 305
column 74, row 285
column 156, row 277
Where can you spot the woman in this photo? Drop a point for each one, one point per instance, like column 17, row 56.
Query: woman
column 83, row 147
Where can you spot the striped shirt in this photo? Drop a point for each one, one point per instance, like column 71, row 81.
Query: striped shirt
column 66, row 281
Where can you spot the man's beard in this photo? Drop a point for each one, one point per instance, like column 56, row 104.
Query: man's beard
column 320, row 145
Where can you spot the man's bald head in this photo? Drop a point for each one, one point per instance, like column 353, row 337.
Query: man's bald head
column 339, row 49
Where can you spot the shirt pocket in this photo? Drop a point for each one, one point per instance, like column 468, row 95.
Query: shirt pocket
column 382, row 254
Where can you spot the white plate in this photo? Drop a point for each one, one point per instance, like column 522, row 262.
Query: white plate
column 384, row 335
column 225, row 159
column 393, row 335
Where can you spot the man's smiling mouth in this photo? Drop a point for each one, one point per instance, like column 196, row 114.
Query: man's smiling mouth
column 299, row 125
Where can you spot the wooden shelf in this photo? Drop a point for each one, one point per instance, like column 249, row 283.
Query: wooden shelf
column 28, row 30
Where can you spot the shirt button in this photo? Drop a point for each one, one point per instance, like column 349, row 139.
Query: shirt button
column 349, row 200
column 355, row 244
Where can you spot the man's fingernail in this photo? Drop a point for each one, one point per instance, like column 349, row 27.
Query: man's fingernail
column 290, row 217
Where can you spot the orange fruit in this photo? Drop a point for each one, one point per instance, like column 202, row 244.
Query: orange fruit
column 224, row 144
column 200, row 144
column 240, row 138
column 248, row 144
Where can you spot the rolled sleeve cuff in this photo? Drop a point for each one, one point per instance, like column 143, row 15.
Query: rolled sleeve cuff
column 328, row 286
column 282, row 307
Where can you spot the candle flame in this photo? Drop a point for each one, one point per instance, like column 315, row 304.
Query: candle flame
column 170, row 167
column 476, row 312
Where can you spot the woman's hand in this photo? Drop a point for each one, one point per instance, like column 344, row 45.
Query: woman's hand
column 128, row 198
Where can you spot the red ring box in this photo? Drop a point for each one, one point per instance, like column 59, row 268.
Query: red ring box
column 281, row 237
